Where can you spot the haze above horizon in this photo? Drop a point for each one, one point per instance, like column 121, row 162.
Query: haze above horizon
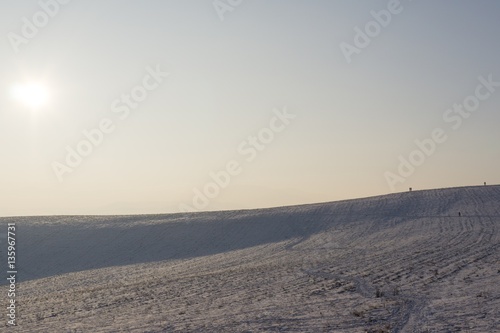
column 124, row 107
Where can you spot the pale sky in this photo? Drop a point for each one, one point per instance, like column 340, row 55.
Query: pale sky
column 299, row 101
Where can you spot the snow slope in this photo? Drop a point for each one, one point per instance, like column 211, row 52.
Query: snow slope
column 310, row 268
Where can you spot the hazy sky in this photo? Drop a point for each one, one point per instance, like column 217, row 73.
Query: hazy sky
column 298, row 101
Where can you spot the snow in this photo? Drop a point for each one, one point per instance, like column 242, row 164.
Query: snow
column 309, row 268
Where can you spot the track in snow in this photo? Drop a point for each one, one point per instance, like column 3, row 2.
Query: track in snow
column 293, row 269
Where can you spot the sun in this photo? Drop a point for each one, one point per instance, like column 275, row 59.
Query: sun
column 34, row 95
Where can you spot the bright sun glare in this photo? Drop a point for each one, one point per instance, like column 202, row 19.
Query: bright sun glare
column 33, row 95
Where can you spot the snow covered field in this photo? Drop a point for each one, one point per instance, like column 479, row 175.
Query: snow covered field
column 403, row 262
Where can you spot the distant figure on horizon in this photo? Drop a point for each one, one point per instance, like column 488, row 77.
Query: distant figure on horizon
column 410, row 189
column 459, row 214
column 484, row 183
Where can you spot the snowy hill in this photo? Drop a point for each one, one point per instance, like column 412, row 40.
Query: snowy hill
column 396, row 263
